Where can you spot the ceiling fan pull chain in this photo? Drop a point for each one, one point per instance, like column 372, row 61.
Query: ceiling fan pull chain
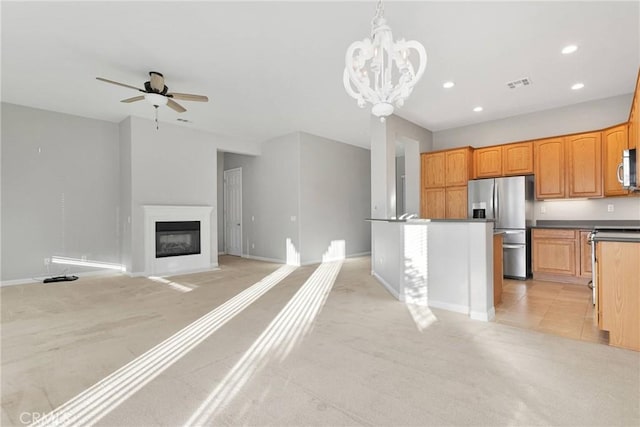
column 157, row 127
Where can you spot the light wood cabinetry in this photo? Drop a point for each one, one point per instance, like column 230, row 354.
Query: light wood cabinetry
column 614, row 141
column 444, row 177
column 497, row 269
column 456, row 202
column 458, row 167
column 561, row 255
column 549, row 168
column 619, row 292
column 433, row 169
column 554, row 252
column 584, row 159
column 570, row 166
column 517, row 159
column 433, row 203
column 487, row 162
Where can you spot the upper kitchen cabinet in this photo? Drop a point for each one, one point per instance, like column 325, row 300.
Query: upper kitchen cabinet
column 517, row 159
column 487, row 162
column 433, row 169
column 458, row 166
column 614, row 141
column 549, row 164
column 584, row 161
column 634, row 119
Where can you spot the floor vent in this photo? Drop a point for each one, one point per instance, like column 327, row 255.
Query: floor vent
column 518, row 83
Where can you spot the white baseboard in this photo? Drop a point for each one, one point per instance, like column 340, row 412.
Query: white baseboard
column 318, row 261
column 450, row 307
column 39, row 280
column 387, row 286
column 260, row 258
column 481, row 315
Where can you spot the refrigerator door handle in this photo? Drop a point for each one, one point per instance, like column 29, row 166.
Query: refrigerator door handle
column 497, row 202
column 493, row 200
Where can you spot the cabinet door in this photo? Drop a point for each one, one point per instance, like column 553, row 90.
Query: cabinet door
column 457, row 167
column 555, row 256
column 549, row 168
column 517, row 159
column 554, row 251
column 456, row 202
column 585, row 254
column 433, row 170
column 433, row 204
column 614, row 141
column 584, row 158
column 487, row 162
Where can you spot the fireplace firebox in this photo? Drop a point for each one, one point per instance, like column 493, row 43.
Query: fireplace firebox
column 177, row 238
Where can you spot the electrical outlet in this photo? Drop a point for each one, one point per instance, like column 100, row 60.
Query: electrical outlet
column 610, row 208
column 47, row 261
column 543, row 209
column 293, row 218
column 253, row 246
column 253, row 218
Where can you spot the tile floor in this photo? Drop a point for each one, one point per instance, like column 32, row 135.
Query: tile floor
column 549, row 307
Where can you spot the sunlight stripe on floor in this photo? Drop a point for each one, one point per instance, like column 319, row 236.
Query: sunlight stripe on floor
column 290, row 325
column 90, row 406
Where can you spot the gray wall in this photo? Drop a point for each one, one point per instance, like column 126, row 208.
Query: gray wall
column 125, row 194
column 270, row 197
column 170, row 166
column 60, row 190
column 592, row 115
column 384, row 137
column 575, row 118
column 335, row 197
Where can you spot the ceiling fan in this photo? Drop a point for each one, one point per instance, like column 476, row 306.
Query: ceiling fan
column 157, row 93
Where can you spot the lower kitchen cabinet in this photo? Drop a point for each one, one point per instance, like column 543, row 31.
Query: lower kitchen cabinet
column 456, row 202
column 618, row 278
column 585, row 255
column 559, row 256
column 433, row 203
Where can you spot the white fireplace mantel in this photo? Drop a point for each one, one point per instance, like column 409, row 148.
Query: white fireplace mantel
column 178, row 264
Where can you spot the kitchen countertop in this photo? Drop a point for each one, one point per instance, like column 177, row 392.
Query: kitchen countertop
column 589, row 224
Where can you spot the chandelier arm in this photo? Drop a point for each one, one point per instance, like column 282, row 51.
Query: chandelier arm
column 366, row 92
column 405, row 86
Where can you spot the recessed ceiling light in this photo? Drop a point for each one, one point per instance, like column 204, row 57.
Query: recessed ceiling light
column 448, row 85
column 577, row 86
column 477, row 109
column 569, row 49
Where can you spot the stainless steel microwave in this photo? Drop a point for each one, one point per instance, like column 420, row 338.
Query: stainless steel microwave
column 627, row 170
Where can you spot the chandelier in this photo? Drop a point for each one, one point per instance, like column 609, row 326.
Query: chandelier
column 379, row 71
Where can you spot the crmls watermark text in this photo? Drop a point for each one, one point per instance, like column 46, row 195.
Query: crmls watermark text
column 48, row 418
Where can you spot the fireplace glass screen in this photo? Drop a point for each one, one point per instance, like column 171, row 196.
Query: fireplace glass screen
column 176, row 238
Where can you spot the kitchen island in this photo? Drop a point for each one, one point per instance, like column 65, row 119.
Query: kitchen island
column 444, row 264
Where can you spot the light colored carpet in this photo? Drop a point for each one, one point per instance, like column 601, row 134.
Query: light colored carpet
column 358, row 357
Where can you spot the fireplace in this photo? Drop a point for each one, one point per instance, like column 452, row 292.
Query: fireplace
column 177, row 238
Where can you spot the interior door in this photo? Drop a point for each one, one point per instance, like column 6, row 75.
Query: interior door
column 233, row 211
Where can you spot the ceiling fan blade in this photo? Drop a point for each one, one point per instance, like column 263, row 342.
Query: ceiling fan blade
column 157, row 81
column 134, row 99
column 175, row 106
column 119, row 84
column 188, row 97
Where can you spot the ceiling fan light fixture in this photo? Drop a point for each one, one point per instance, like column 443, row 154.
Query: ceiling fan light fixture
column 156, row 99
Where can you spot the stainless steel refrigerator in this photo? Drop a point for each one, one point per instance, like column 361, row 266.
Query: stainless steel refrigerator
column 508, row 201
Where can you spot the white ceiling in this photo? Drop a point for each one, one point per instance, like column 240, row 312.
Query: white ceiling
column 270, row 68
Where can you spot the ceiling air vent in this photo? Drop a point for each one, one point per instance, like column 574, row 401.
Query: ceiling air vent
column 519, row 83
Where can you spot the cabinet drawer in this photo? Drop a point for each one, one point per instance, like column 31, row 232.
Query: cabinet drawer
column 547, row 233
